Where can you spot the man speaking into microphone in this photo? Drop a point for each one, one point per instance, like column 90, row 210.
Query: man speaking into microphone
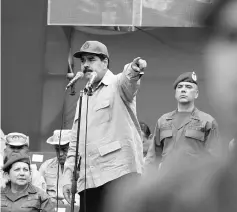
column 112, row 151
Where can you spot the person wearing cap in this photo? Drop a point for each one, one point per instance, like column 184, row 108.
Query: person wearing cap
column 20, row 195
column 114, row 144
column 19, row 143
column 15, row 143
column 3, row 146
column 186, row 129
column 49, row 169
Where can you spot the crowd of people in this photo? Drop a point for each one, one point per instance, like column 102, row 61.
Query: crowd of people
column 123, row 166
column 19, row 175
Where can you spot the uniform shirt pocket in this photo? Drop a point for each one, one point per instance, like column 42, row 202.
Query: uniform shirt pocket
column 5, row 203
column 32, row 202
column 102, row 112
column 165, row 134
column 195, row 134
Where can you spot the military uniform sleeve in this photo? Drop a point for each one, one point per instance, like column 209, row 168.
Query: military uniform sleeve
column 213, row 138
column 47, row 203
column 155, row 150
column 128, row 83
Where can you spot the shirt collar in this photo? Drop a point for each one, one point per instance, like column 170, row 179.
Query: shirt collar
column 107, row 79
column 13, row 197
column 194, row 114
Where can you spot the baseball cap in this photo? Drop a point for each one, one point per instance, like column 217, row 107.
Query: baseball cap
column 94, row 47
column 65, row 137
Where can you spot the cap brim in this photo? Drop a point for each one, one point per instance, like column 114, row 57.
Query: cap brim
column 16, row 144
column 50, row 140
column 78, row 54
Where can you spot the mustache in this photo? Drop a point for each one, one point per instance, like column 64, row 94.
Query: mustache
column 87, row 70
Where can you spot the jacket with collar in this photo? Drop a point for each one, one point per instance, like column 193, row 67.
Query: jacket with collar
column 197, row 135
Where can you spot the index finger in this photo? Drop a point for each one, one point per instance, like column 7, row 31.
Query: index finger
column 136, row 59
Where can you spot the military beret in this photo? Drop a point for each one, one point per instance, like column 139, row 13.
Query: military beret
column 16, row 157
column 186, row 77
column 93, row 47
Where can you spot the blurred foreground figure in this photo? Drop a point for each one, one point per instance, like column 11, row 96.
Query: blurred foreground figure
column 208, row 184
column 221, row 65
column 232, row 145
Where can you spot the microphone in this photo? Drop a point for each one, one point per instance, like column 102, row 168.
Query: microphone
column 70, row 76
column 78, row 76
column 91, row 81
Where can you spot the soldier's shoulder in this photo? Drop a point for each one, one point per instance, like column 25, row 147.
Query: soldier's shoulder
column 48, row 162
column 205, row 116
column 51, row 160
column 38, row 190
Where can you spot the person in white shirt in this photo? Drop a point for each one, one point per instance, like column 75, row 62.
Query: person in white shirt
column 54, row 166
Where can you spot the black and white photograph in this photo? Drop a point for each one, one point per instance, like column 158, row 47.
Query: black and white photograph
column 118, row 106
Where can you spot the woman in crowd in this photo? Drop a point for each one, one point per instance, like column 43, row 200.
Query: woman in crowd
column 20, row 195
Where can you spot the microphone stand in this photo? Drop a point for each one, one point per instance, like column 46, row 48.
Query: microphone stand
column 76, row 167
column 76, row 172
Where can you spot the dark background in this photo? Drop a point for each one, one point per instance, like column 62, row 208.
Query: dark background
column 34, row 66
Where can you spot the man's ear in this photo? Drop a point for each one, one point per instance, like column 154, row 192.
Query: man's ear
column 106, row 62
column 197, row 93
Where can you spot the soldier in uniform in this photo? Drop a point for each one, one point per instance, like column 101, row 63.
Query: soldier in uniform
column 50, row 168
column 19, row 142
column 20, row 195
column 185, row 129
